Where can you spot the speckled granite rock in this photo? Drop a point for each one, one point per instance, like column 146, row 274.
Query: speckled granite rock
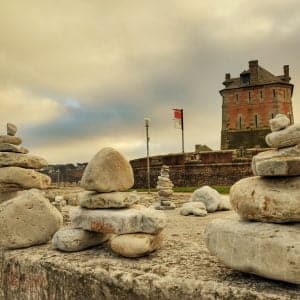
column 193, row 208
column 280, row 122
column 207, row 195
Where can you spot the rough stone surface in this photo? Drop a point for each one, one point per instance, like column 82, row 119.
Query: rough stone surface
column 136, row 244
column 281, row 162
column 11, row 129
column 7, row 195
column 267, row 199
column 119, row 221
column 165, row 192
column 268, row 250
column 10, row 139
column 224, row 203
column 108, row 200
column 27, row 220
column 181, row 269
column 209, row 196
column 161, row 206
column 71, row 239
column 108, row 171
column 10, row 159
column 280, row 121
column 193, row 208
column 287, row 137
column 24, row 178
column 5, row 147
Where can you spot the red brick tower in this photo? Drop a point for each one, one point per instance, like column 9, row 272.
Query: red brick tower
column 249, row 101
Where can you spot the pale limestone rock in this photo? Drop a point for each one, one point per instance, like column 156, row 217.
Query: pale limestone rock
column 10, row 159
column 5, row 147
column 27, row 220
column 119, row 221
column 287, row 137
column 10, row 139
column 165, row 192
column 268, row 250
column 193, row 208
column 280, row 121
column 207, row 195
column 224, row 203
column 71, row 239
column 11, row 129
column 24, row 178
column 108, row 171
column 136, row 244
column 92, row 199
column 4, row 196
column 267, row 199
column 281, row 162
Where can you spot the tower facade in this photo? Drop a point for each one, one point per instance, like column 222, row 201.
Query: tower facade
column 249, row 102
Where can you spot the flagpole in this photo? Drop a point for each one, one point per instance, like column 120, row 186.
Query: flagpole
column 182, row 131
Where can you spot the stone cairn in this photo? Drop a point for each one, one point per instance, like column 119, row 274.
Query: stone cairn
column 26, row 217
column 165, row 191
column 108, row 212
column 270, row 246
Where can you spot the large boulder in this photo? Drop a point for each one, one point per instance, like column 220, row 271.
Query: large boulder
column 10, row 159
column 136, row 244
column 5, row 147
column 207, row 195
column 119, row 221
column 268, row 250
column 28, row 219
column 267, row 199
column 280, row 122
column 10, row 139
column 72, row 239
column 281, row 162
column 224, row 203
column 290, row 136
column 193, row 208
column 108, row 171
column 90, row 199
column 24, row 178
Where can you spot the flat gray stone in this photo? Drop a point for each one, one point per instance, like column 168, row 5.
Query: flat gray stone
column 165, row 192
column 10, row 139
column 24, row 178
column 287, row 137
column 28, row 219
column 91, row 199
column 5, row 147
column 281, row 162
column 193, row 208
column 268, row 250
column 108, row 171
column 136, row 244
column 207, row 195
column 280, row 121
column 72, row 239
column 11, row 129
column 10, row 159
column 119, row 221
column 267, row 199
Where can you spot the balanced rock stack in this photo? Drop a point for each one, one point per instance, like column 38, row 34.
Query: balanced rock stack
column 269, row 247
column 165, row 189
column 26, row 217
column 107, row 211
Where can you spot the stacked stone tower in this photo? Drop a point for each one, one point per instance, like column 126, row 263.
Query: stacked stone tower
column 249, row 102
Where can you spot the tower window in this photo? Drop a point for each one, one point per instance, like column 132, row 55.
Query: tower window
column 237, row 98
column 256, row 121
column 249, row 96
column 261, row 96
column 274, row 93
column 240, row 122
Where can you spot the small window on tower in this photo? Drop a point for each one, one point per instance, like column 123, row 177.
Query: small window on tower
column 249, row 96
column 237, row 98
column 256, row 121
column 240, row 122
column 261, row 96
column 274, row 93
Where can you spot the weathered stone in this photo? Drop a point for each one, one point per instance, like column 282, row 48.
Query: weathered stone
column 193, row 208
column 165, row 192
column 72, row 239
column 287, row 137
column 107, row 200
column 224, row 203
column 136, row 244
column 10, row 159
column 280, row 121
column 160, row 206
column 119, row 221
column 207, row 195
column 8, row 195
column 9, row 187
column 27, row 220
column 267, row 199
column 5, row 147
column 10, row 139
column 165, row 184
column 281, row 162
column 24, row 178
column 268, row 250
column 11, row 129
column 108, row 171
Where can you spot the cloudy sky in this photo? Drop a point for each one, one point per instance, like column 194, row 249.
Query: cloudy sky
column 78, row 75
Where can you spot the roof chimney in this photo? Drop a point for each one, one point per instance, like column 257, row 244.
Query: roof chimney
column 227, row 76
column 286, row 71
column 253, row 68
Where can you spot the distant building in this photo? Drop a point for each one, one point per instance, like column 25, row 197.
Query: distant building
column 249, row 102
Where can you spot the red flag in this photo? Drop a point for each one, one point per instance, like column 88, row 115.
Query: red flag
column 178, row 116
